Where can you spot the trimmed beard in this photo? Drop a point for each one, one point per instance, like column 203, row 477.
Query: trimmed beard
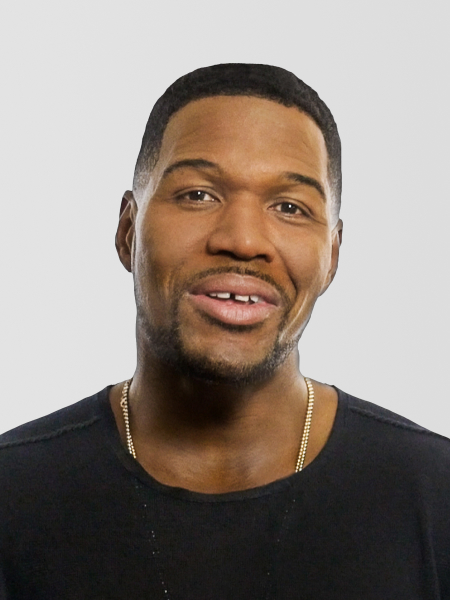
column 168, row 346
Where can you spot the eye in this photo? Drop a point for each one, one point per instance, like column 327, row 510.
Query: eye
column 197, row 196
column 289, row 208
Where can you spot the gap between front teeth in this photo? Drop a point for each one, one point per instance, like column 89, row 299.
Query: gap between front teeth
column 227, row 296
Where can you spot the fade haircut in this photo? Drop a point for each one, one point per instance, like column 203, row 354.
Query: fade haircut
column 240, row 79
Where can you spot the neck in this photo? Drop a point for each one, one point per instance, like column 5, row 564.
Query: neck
column 162, row 393
column 217, row 437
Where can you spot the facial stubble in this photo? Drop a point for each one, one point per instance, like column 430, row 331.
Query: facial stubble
column 167, row 344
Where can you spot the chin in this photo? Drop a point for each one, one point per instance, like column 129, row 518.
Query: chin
column 218, row 370
column 171, row 348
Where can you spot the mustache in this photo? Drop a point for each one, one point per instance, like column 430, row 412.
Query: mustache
column 239, row 270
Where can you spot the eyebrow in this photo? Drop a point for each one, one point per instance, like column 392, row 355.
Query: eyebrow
column 201, row 163
column 196, row 163
column 305, row 180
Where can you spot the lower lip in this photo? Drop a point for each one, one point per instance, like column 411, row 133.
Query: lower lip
column 232, row 312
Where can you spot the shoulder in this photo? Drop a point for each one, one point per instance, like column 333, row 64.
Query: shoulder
column 50, row 464
column 394, row 441
column 378, row 416
column 51, row 441
column 71, row 418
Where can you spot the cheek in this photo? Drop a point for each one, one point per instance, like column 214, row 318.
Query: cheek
column 307, row 266
column 150, row 267
column 161, row 252
column 307, row 270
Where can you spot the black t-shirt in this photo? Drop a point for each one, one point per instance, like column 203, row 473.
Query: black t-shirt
column 367, row 519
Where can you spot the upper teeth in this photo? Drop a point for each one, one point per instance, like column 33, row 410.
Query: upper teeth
column 228, row 295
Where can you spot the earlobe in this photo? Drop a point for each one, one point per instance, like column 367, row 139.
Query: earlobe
column 125, row 230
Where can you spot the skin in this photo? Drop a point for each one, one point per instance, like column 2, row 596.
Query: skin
column 212, row 433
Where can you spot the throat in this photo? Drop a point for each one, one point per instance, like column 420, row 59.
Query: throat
column 208, row 473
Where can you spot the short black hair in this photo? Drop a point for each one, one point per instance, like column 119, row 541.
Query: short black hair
column 240, row 79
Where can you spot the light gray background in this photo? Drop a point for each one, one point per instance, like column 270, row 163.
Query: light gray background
column 78, row 82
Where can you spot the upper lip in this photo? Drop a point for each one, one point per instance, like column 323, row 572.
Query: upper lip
column 243, row 285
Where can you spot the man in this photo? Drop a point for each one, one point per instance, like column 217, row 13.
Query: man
column 218, row 471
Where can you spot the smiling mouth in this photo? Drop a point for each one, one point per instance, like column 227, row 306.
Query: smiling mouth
column 233, row 308
column 235, row 299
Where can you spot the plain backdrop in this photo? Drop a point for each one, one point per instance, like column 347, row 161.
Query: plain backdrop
column 78, row 82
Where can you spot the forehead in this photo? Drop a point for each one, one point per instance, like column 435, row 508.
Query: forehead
column 246, row 135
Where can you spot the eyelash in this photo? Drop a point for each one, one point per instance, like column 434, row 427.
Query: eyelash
column 184, row 196
column 296, row 207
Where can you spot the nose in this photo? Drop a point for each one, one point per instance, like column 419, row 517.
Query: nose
column 241, row 231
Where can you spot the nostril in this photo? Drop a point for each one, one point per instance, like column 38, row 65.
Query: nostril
column 240, row 246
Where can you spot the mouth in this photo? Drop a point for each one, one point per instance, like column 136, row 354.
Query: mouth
column 235, row 299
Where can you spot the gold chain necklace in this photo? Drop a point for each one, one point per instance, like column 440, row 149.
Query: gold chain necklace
column 124, row 403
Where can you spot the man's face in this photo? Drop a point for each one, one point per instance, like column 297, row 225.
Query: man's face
column 233, row 237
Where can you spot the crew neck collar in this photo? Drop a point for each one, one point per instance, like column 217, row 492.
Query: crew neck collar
column 322, row 461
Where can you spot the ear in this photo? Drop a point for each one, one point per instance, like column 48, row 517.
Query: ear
column 125, row 230
column 335, row 247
